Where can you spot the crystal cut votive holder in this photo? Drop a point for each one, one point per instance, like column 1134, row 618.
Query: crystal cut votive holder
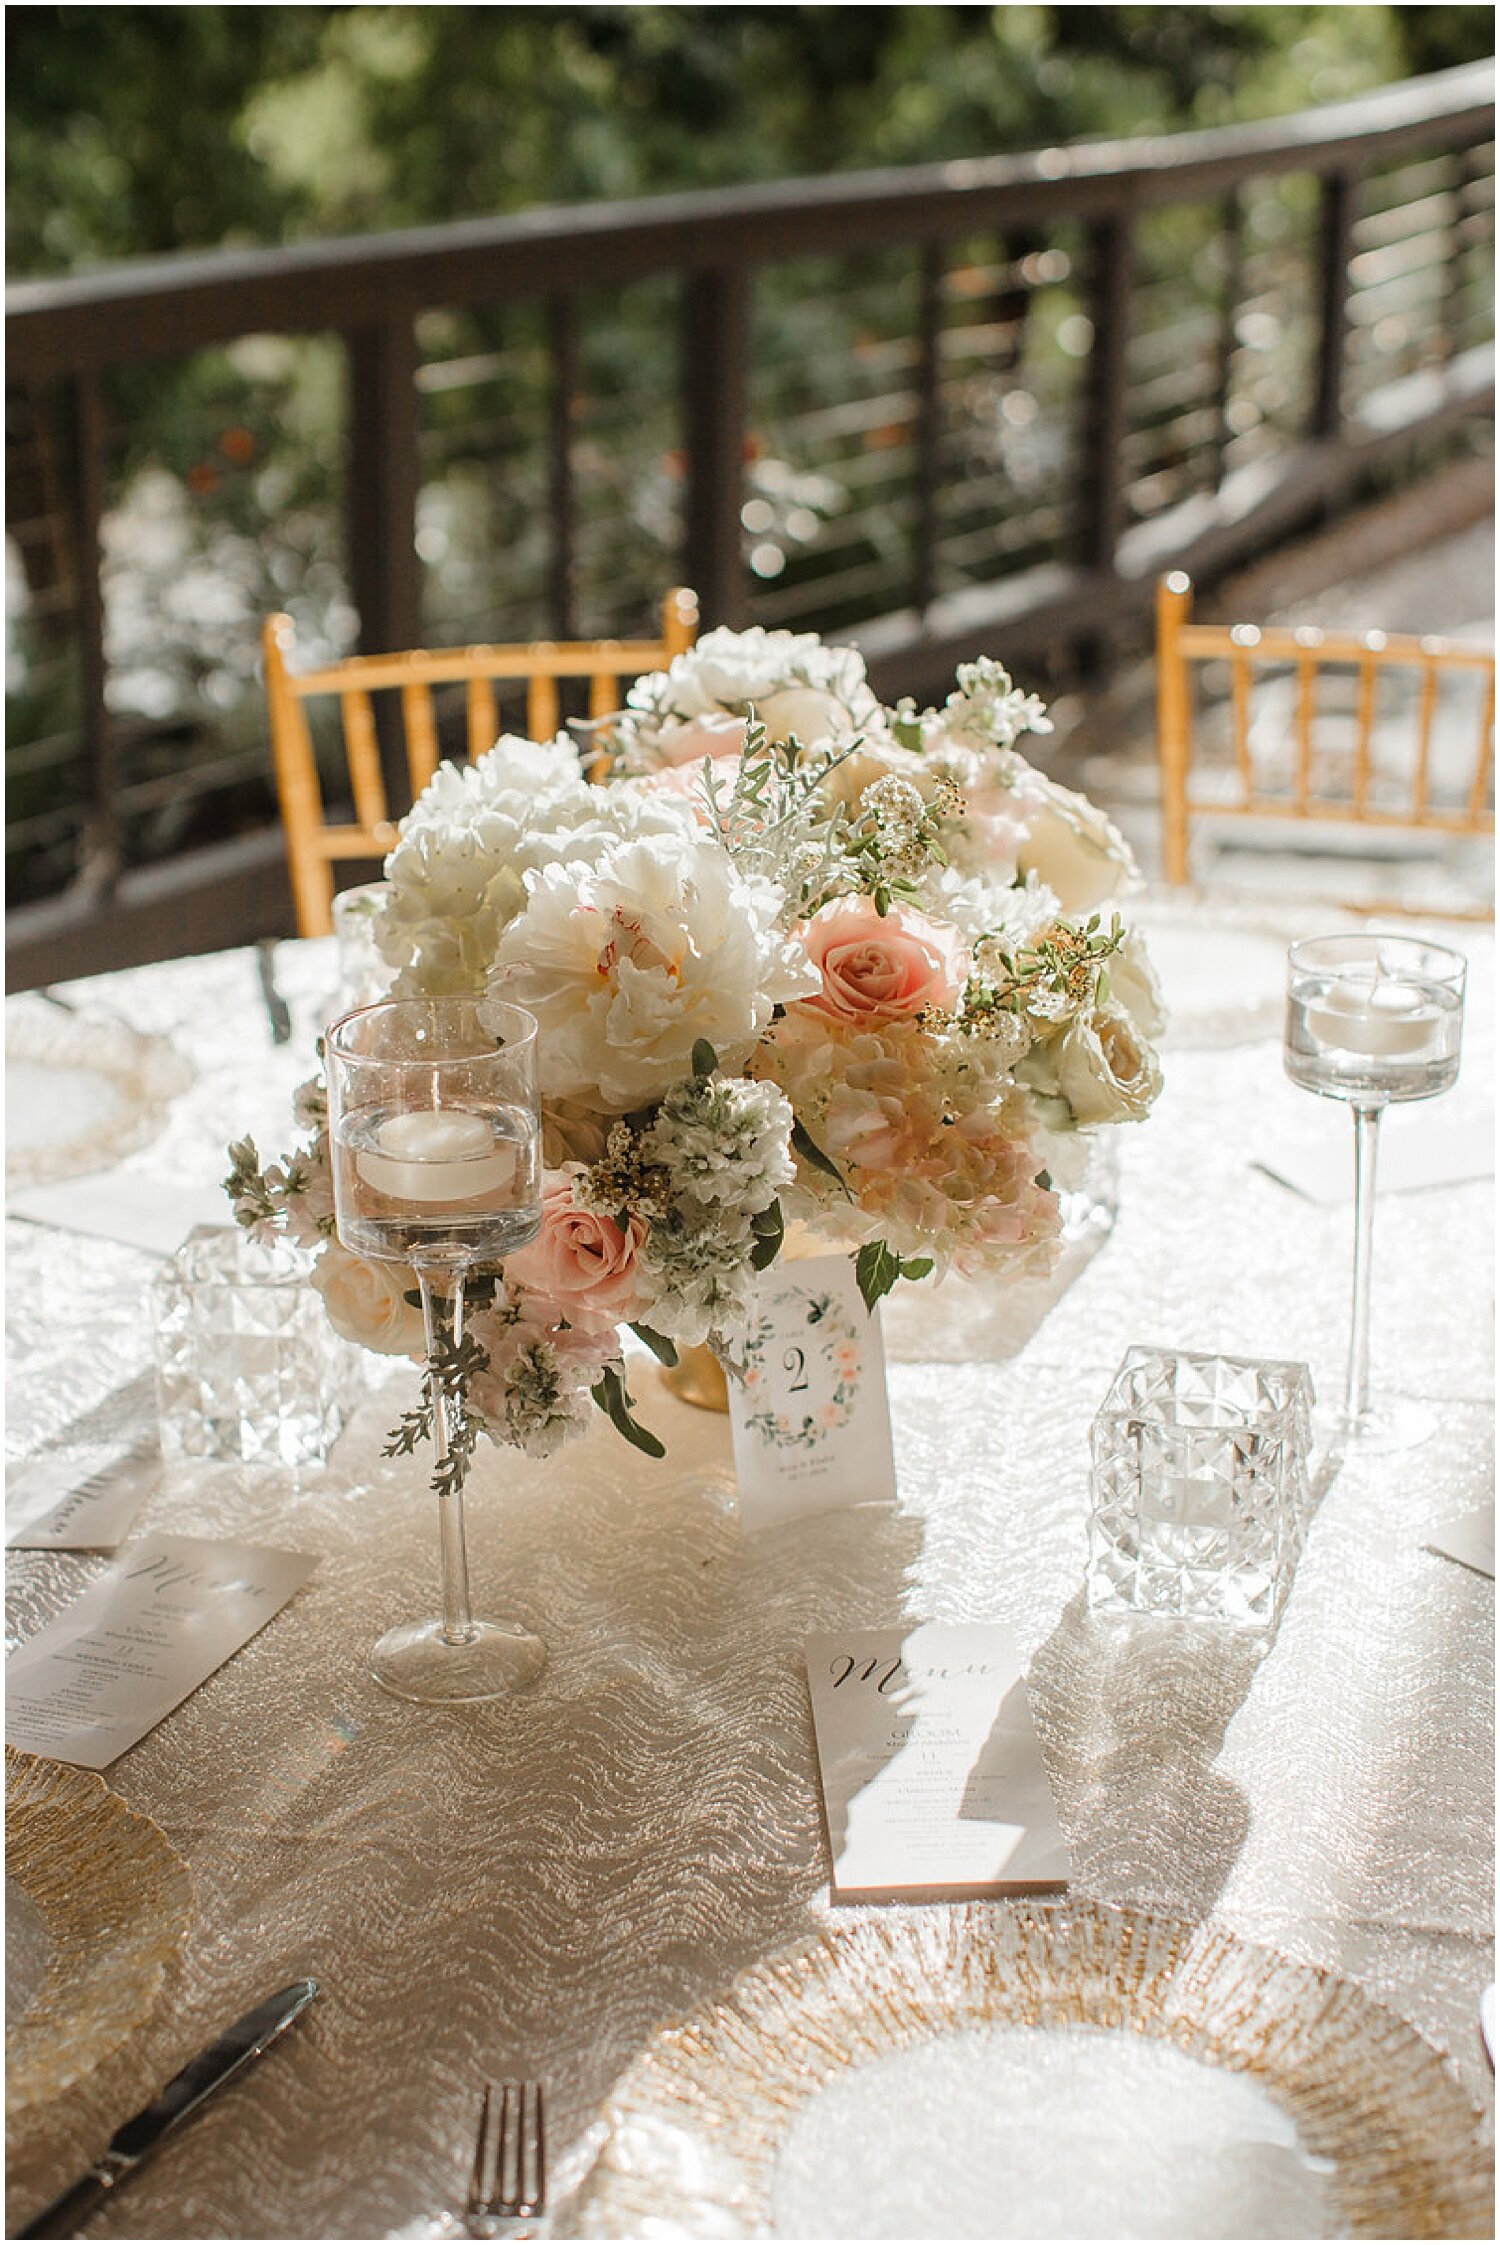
column 248, row 1368
column 1201, row 1489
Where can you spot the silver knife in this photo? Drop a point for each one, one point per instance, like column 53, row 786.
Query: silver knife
column 133, row 2144
column 277, row 1011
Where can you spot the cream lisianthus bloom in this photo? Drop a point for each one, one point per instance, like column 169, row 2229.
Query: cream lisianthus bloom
column 366, row 1302
column 1069, row 844
column 1104, row 1067
column 627, row 964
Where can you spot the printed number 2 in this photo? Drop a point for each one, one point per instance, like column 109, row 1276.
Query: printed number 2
column 794, row 1361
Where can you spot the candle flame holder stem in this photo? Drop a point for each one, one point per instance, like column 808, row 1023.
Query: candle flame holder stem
column 1373, row 1020
column 434, row 1129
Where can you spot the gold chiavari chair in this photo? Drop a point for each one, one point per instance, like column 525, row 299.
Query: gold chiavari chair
column 1380, row 775
column 314, row 844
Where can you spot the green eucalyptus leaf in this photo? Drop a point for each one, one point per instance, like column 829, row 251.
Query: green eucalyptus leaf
column 613, row 1399
column 661, row 1348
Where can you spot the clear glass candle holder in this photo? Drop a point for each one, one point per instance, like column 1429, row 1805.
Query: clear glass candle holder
column 434, row 1125
column 1201, row 1486
column 248, row 1368
column 364, row 975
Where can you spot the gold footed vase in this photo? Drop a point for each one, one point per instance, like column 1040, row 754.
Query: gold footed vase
column 697, row 1378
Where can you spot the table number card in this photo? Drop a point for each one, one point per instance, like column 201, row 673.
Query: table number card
column 810, row 1422
column 169, row 1611
column 933, row 1781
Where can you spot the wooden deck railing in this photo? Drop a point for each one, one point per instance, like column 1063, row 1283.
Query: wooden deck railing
column 1159, row 447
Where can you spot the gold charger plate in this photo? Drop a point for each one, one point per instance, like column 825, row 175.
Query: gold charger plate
column 1039, row 2070
column 101, row 1901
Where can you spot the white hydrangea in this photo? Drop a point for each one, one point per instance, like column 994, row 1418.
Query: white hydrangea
column 457, row 876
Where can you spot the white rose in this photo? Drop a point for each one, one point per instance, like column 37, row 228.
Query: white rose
column 1133, row 984
column 1105, row 1070
column 366, row 1302
column 1070, row 844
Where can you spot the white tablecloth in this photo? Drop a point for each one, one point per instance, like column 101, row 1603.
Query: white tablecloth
column 533, row 1887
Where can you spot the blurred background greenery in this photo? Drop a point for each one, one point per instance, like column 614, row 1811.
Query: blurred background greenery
column 141, row 130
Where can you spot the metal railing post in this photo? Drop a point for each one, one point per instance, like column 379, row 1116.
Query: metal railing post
column 380, row 509
column 929, row 388
column 1335, row 238
column 562, row 344
column 101, row 841
column 1111, row 284
column 715, row 409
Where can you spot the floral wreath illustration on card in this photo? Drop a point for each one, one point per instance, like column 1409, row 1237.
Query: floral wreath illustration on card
column 834, row 1347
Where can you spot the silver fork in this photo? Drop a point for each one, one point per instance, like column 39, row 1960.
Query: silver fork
column 509, row 2182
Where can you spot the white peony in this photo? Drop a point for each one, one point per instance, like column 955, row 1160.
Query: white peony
column 628, row 963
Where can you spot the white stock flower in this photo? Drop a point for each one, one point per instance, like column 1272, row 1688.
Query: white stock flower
column 695, row 1273
column 725, row 1140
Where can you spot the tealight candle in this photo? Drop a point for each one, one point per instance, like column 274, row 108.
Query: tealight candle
column 437, row 1154
column 1377, row 1018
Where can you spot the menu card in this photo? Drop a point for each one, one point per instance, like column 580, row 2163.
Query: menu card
column 166, row 1614
column 79, row 1498
column 933, row 1781
column 1470, row 1540
column 810, row 1420
column 154, row 1213
column 1415, row 1154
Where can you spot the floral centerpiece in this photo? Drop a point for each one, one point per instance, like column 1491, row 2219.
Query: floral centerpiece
column 794, row 955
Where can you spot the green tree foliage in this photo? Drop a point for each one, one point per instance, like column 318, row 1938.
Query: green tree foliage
column 141, row 129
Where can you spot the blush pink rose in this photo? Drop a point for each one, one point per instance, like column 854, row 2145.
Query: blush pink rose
column 582, row 1263
column 687, row 740
column 684, row 782
column 881, row 969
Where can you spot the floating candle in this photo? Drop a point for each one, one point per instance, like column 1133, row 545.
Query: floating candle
column 1378, row 1018
column 438, row 1154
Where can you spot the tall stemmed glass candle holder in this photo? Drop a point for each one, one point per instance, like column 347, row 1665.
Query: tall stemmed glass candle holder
column 1372, row 1019
column 435, row 1131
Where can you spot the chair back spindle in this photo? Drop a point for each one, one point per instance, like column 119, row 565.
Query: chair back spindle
column 314, row 842
column 1316, row 778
